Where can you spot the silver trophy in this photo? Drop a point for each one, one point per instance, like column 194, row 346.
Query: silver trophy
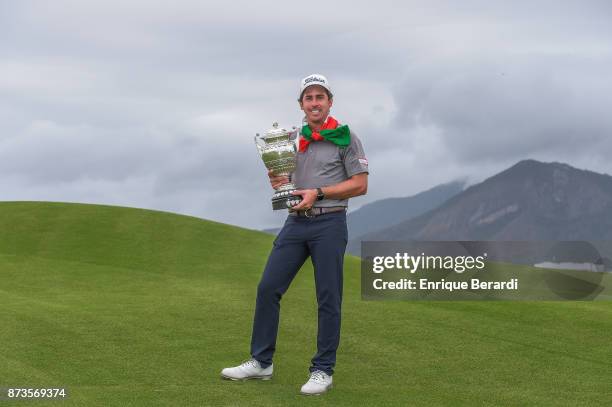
column 277, row 149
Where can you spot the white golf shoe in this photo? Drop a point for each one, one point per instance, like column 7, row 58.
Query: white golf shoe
column 251, row 369
column 318, row 383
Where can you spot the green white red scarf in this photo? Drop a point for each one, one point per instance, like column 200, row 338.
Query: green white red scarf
column 330, row 131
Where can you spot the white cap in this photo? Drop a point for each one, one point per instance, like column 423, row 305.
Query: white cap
column 314, row 79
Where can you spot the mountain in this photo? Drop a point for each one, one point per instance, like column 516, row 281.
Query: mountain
column 383, row 213
column 531, row 200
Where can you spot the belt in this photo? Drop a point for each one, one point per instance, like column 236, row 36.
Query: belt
column 316, row 211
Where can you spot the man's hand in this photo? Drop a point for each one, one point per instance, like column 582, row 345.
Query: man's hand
column 277, row 180
column 309, row 196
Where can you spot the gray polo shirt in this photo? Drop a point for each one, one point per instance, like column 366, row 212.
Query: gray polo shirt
column 324, row 164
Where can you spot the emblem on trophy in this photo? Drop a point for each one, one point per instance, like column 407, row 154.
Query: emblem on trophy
column 277, row 149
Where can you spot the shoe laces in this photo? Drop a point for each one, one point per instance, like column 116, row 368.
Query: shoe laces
column 318, row 376
column 250, row 363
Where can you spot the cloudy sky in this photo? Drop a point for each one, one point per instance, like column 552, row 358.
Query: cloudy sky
column 155, row 104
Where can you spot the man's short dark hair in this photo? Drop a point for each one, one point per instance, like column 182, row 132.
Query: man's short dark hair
column 329, row 95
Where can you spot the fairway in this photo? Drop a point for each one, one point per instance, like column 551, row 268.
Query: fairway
column 131, row 307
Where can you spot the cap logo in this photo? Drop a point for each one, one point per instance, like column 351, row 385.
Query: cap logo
column 313, row 79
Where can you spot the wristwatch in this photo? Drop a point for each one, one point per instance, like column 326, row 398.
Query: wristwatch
column 320, row 194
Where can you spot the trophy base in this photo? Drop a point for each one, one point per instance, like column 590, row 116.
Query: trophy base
column 285, row 199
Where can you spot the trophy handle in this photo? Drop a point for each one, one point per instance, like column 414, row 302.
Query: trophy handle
column 258, row 142
column 294, row 134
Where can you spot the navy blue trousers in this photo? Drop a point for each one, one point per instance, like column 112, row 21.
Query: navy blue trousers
column 324, row 239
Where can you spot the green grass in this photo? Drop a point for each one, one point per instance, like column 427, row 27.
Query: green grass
column 129, row 307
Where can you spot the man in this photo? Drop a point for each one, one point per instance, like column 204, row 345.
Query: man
column 331, row 167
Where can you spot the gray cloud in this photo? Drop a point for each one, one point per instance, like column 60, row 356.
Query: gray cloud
column 512, row 108
column 152, row 104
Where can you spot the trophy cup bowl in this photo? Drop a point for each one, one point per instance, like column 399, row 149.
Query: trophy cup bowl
column 277, row 150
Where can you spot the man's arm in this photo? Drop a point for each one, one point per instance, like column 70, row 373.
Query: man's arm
column 354, row 186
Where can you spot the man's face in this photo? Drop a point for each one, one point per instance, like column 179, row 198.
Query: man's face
column 316, row 104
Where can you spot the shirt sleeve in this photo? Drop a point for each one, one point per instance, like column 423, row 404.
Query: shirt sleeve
column 354, row 159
